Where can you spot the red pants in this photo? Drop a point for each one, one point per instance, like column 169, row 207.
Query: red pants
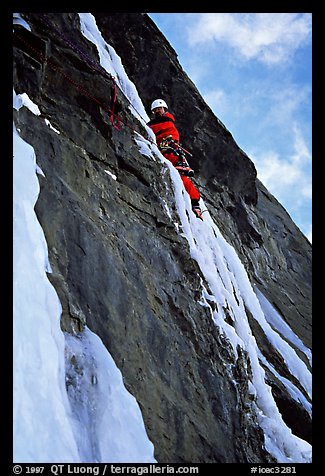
column 188, row 184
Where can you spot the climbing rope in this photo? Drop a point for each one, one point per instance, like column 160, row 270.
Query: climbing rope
column 114, row 116
column 111, row 111
column 90, row 61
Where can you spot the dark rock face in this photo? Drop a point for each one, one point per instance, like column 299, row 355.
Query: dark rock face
column 119, row 265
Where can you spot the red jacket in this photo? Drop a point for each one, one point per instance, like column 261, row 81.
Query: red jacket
column 164, row 126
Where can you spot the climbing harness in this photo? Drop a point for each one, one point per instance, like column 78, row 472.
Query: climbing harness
column 169, row 143
column 183, row 167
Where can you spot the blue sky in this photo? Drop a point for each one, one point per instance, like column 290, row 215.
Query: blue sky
column 254, row 71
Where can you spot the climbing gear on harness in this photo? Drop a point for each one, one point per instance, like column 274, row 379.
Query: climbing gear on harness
column 182, row 165
column 184, row 169
column 170, row 140
column 166, row 143
column 158, row 103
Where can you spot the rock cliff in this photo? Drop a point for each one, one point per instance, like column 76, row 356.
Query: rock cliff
column 120, row 265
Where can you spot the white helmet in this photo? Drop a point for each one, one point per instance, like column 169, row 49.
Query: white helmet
column 158, row 103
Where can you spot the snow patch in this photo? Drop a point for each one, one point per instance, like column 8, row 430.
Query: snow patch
column 20, row 100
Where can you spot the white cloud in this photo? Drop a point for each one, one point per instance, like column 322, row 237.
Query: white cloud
column 288, row 181
column 261, row 109
column 277, row 175
column 268, row 37
column 302, row 153
column 288, row 177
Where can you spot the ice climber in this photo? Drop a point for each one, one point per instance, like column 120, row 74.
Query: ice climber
column 167, row 136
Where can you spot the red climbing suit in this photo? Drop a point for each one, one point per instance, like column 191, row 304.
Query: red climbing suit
column 164, row 126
